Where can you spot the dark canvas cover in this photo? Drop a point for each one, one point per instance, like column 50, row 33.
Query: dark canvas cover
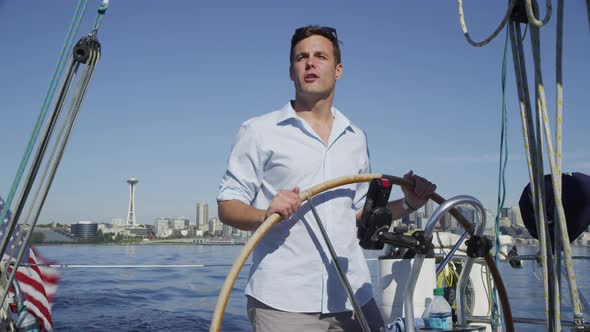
column 576, row 204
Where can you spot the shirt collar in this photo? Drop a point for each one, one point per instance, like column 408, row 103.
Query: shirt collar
column 341, row 122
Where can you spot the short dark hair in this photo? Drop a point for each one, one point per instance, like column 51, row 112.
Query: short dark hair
column 312, row 30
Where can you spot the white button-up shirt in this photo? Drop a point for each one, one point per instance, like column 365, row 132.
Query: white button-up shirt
column 291, row 267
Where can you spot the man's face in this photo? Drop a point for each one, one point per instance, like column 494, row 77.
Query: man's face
column 313, row 69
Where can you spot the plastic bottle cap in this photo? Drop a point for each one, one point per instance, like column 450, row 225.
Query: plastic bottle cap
column 439, row 291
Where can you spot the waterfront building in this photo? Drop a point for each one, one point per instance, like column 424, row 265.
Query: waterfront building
column 444, row 222
column 162, row 229
column 515, row 217
column 202, row 216
column 180, row 223
column 139, row 231
column 505, row 213
column 226, row 230
column 215, row 226
column 118, row 221
column 490, row 221
column 505, row 222
column 420, row 220
column 176, row 223
column 428, row 209
column 113, row 230
column 84, row 229
column 468, row 212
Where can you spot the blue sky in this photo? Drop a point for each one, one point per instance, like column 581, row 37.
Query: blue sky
column 177, row 78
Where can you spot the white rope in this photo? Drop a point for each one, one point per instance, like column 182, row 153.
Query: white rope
column 531, row 15
column 531, row 150
column 561, row 222
column 490, row 37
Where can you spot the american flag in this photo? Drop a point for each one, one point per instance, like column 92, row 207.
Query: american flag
column 38, row 283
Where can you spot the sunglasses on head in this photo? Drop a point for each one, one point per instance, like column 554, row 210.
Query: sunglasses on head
column 329, row 30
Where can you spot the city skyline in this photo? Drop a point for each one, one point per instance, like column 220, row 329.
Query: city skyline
column 202, row 219
column 169, row 95
column 510, row 213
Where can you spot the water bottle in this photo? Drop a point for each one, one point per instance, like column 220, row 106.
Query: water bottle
column 426, row 314
column 440, row 316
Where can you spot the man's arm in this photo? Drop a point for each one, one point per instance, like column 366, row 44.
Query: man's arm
column 414, row 199
column 242, row 216
column 238, row 214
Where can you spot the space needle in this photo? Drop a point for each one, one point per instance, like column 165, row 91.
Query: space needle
column 131, row 215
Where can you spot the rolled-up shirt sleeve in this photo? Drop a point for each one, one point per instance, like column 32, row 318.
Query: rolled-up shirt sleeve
column 362, row 187
column 243, row 176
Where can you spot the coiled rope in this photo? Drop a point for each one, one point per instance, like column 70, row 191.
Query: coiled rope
column 490, row 37
column 531, row 15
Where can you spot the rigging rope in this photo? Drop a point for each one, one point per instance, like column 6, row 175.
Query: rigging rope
column 542, row 109
column 490, row 37
column 102, row 9
column 530, row 147
column 65, row 52
column 533, row 140
column 558, row 139
column 57, row 152
column 86, row 51
column 501, row 180
column 531, row 15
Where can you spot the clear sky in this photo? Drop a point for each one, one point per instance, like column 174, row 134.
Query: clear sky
column 177, row 78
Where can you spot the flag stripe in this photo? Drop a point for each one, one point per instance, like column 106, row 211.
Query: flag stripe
column 48, row 279
column 38, row 285
column 37, row 303
column 39, row 289
column 36, row 298
column 31, row 284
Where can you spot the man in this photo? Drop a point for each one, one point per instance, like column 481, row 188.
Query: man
column 293, row 285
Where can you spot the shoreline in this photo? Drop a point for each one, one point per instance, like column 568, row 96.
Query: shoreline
column 142, row 243
column 224, row 243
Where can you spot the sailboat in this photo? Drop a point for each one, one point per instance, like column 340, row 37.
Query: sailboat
column 429, row 247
